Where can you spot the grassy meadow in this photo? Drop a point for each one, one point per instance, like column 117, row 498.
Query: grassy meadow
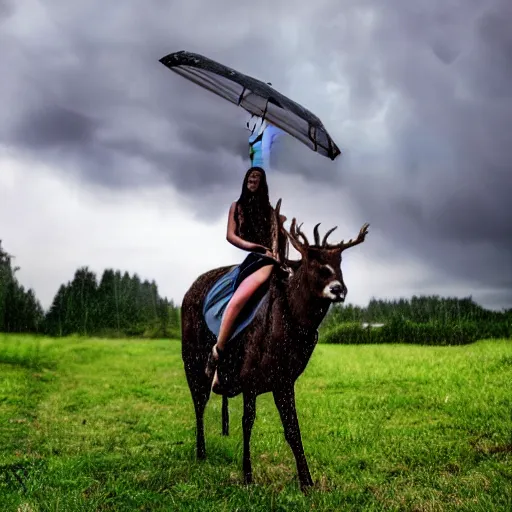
column 94, row 425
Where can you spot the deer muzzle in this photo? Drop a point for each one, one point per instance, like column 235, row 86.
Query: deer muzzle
column 335, row 291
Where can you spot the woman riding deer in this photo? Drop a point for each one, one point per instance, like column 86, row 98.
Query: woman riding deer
column 249, row 228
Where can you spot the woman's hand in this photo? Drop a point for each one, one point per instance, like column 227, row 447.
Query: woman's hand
column 270, row 254
column 260, row 248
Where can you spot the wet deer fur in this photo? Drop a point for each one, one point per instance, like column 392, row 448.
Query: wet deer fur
column 273, row 351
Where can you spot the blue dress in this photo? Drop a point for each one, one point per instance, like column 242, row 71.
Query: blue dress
column 223, row 289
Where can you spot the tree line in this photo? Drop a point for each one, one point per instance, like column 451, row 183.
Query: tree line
column 426, row 320
column 417, row 309
column 20, row 311
column 122, row 305
column 117, row 305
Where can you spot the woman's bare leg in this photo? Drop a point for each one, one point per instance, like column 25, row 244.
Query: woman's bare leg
column 242, row 294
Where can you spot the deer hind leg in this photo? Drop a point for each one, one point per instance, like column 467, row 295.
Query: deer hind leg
column 225, row 416
column 247, row 423
column 285, row 403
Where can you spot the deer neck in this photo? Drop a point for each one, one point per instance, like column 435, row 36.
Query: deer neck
column 307, row 310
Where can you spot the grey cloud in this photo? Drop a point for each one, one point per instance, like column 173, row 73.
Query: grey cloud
column 55, row 126
column 6, row 8
column 94, row 96
column 80, row 90
column 441, row 190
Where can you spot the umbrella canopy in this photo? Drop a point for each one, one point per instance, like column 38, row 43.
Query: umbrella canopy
column 256, row 97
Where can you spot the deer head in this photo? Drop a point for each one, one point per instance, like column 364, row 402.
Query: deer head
column 322, row 261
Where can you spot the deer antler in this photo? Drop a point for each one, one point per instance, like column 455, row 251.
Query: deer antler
column 317, row 236
column 294, row 234
column 302, row 235
column 276, row 225
column 360, row 238
column 324, row 241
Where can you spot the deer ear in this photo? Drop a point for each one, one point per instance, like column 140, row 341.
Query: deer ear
column 333, row 250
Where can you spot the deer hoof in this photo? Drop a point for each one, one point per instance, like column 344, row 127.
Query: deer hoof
column 307, row 486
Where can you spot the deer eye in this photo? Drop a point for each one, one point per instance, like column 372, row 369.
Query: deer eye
column 326, row 271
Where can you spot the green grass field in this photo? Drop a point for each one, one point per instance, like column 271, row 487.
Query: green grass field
column 90, row 424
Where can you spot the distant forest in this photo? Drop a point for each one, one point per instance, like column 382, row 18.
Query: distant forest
column 123, row 305
column 422, row 309
column 431, row 320
column 117, row 305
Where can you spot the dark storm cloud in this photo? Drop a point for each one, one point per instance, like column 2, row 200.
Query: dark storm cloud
column 85, row 89
column 6, row 8
column 441, row 190
column 55, row 126
column 83, row 74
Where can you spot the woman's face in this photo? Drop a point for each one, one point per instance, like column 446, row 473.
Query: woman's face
column 253, row 182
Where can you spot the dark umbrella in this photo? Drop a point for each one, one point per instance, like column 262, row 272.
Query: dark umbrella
column 255, row 96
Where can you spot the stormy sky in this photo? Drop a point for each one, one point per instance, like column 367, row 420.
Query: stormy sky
column 108, row 159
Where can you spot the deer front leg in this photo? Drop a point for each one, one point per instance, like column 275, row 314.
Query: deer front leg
column 285, row 403
column 247, row 423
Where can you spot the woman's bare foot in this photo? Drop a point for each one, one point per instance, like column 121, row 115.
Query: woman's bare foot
column 216, row 387
column 213, row 359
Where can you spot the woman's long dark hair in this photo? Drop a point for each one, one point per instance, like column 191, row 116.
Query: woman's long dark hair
column 254, row 223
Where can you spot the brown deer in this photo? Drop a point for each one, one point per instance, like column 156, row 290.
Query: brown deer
column 273, row 351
